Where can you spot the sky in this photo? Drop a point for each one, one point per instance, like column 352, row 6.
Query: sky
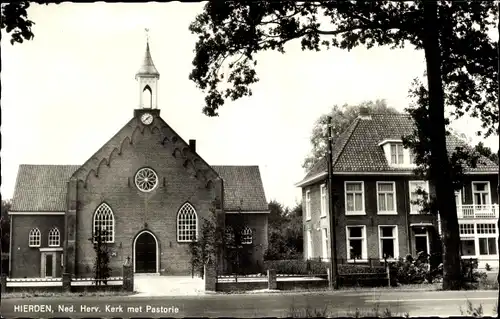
column 70, row 89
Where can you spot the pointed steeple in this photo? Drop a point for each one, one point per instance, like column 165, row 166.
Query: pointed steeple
column 147, row 78
column 148, row 68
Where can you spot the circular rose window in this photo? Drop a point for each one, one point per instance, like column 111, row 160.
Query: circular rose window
column 146, row 179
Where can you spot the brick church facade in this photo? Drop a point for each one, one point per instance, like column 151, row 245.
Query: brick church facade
column 146, row 186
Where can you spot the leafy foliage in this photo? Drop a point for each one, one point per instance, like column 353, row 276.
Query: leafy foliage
column 486, row 152
column 102, row 271
column 285, row 238
column 5, row 226
column 230, row 34
column 342, row 117
column 207, row 246
column 15, row 21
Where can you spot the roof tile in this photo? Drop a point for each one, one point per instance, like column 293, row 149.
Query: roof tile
column 41, row 188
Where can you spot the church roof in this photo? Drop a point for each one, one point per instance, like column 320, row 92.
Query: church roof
column 243, row 188
column 43, row 188
column 148, row 67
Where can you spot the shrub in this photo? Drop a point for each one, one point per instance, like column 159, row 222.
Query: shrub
column 296, row 266
column 487, row 267
column 418, row 270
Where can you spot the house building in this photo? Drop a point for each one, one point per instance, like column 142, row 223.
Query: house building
column 146, row 187
column 375, row 189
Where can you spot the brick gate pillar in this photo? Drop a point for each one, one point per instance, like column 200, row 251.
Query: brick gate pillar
column 70, row 229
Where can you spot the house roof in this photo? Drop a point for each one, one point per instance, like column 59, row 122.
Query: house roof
column 43, row 188
column 357, row 149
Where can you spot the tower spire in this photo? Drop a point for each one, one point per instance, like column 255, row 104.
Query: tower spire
column 148, row 77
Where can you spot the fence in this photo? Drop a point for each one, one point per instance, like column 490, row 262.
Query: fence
column 69, row 283
column 295, row 273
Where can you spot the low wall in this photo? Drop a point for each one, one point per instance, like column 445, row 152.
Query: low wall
column 240, row 286
column 68, row 284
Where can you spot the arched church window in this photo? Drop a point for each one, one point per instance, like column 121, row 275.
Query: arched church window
column 146, row 179
column 104, row 223
column 246, row 236
column 54, row 237
column 187, row 223
column 35, row 237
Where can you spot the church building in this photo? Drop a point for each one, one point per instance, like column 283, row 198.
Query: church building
column 147, row 187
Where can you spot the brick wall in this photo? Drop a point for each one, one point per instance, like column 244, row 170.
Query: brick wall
column 258, row 222
column 26, row 261
column 135, row 211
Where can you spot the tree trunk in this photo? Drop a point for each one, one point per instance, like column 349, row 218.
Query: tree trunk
column 440, row 168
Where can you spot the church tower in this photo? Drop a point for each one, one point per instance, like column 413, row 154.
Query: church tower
column 147, row 78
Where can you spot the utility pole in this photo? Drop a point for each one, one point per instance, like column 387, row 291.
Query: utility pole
column 334, row 282
column 498, row 132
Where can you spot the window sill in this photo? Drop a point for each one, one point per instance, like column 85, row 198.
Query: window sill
column 34, row 246
column 322, row 216
column 391, row 260
column 308, row 218
column 387, row 213
column 355, row 213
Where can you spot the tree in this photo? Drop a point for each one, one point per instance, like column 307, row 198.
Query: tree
column 5, row 226
column 342, row 117
column 486, row 152
column 206, row 247
column 15, row 21
column 285, row 232
column 460, row 63
column 102, row 271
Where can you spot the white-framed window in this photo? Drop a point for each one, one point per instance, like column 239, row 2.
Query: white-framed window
column 35, row 237
column 309, row 244
column 104, row 221
column 466, row 229
column 414, row 186
column 386, row 198
column 308, row 204
column 187, row 224
column 481, row 195
column 246, row 236
column 388, row 241
column 397, row 153
column 146, row 179
column 356, row 242
column 54, row 237
column 487, row 237
column 422, row 244
column 324, row 240
column 354, row 198
column 323, row 200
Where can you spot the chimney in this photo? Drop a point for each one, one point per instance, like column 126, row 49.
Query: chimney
column 192, row 145
column 364, row 113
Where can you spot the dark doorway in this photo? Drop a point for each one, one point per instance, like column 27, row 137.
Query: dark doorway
column 48, row 266
column 145, row 253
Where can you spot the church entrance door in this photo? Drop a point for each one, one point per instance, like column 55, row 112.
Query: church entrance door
column 146, row 253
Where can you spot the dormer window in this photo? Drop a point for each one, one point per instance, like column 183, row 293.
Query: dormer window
column 397, row 155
